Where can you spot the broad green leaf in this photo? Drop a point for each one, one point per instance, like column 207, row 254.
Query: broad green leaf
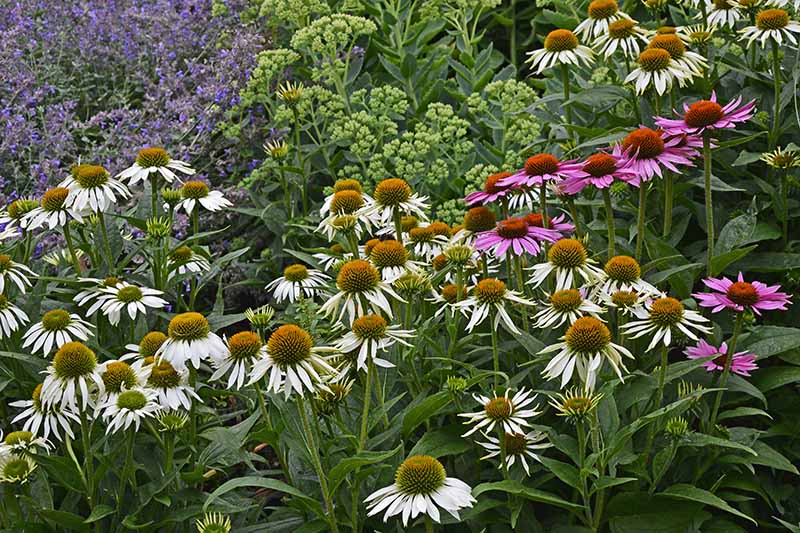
column 701, row 440
column 424, row 410
column 683, row 491
column 773, row 377
column 67, row 521
column 743, row 411
column 99, row 512
column 516, row 488
column 339, row 472
column 262, row 483
column 720, row 262
column 563, row 471
column 442, row 442
column 766, row 341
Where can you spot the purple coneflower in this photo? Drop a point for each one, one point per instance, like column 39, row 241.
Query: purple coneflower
column 742, row 363
column 492, row 190
column 705, row 115
column 741, row 295
column 542, row 168
column 645, row 151
column 516, row 235
column 601, row 170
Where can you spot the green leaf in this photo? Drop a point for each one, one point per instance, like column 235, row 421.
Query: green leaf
column 766, row 341
column 768, row 456
column 339, row 472
column 442, row 442
column 743, row 411
column 516, row 488
column 263, row 483
column 701, row 440
column 773, row 377
column 424, row 410
column 606, row 482
column 99, row 512
column 684, row 491
column 563, row 471
column 65, row 519
column 770, row 262
column 720, row 262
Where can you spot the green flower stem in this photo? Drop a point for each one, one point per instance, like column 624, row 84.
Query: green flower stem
column 398, row 224
column 75, row 262
column 429, row 525
column 379, row 396
column 300, row 161
column 353, row 241
column 196, row 219
column 581, row 429
column 737, row 329
column 314, row 452
column 596, row 448
column 521, row 288
column 573, row 212
column 512, row 41
column 785, row 201
column 128, row 471
column 662, row 375
column 565, row 83
column 362, row 439
column 101, row 218
column 776, row 75
column 192, row 415
column 609, row 221
column 501, row 437
column 88, row 459
column 668, row 201
column 169, row 452
column 641, row 219
column 495, row 349
column 154, row 194
column 709, row 201
column 287, row 194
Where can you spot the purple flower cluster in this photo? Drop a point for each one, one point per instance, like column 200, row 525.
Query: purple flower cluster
column 103, row 79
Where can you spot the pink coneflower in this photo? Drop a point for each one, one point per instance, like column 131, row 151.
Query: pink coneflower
column 705, row 115
column 741, row 295
column 645, row 151
column 542, row 168
column 492, row 190
column 742, row 363
column 555, row 224
column 601, row 170
column 515, row 234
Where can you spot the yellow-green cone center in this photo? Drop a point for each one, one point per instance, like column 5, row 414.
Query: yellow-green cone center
column 357, row 276
column 566, row 301
column 289, row 345
column 498, row 408
column 587, row 335
column 567, row 253
column 490, row 291
column 389, row 253
column 420, row 474
column 150, row 343
column 129, row 294
column 666, row 312
column 772, row 19
column 132, row 400
column 392, row 192
column 245, row 345
column 188, row 327
column 119, row 375
column 163, row 376
column 152, row 157
column 73, row 360
column 56, row 320
column 369, row 327
column 90, row 176
column 295, row 273
column 53, row 199
column 560, row 41
column 194, row 190
column 623, row 268
column 18, row 437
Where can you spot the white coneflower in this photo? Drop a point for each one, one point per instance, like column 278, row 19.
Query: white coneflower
column 119, row 376
column 16, row 273
column 244, row 349
column 570, row 262
column 625, row 35
column 491, row 295
column 73, row 375
column 170, row 383
column 446, row 299
column 128, row 298
column 390, row 257
column 92, row 293
column 425, row 242
column 420, row 486
column 343, row 203
column 663, row 316
column 56, row 328
column 42, row 420
column 11, row 317
column 561, row 47
column 297, row 282
column 16, row 468
column 370, row 334
column 518, row 447
column 394, row 196
column 772, row 25
column 152, row 160
column 24, row 442
column 657, row 70
column 346, row 214
column 332, row 257
column 13, row 217
column 260, row 317
column 586, row 345
column 292, row 362
column 687, row 60
column 129, row 408
column 92, row 187
column 197, row 192
column 360, row 289
column 190, row 339
column 184, row 260
column 600, row 14
column 213, row 523
column 696, row 34
column 52, row 211
column 628, row 303
column 721, row 13
column 565, row 306
column 147, row 347
column 623, row 273
column 576, row 404
column 508, row 413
